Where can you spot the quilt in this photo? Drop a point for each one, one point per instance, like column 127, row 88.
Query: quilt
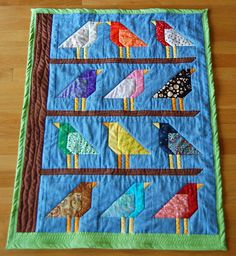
column 118, row 144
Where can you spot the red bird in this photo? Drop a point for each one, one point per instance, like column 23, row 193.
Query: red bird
column 121, row 36
column 167, row 36
column 181, row 206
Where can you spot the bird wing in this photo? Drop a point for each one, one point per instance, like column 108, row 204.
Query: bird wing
column 127, row 144
column 92, row 34
column 83, row 86
column 177, row 87
column 176, row 207
column 122, row 207
column 123, row 90
column 173, row 38
column 78, row 39
column 129, row 39
column 73, row 90
column 76, row 144
column 179, row 145
column 138, row 75
column 70, row 205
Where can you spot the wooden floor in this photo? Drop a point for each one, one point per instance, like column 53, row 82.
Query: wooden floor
column 14, row 24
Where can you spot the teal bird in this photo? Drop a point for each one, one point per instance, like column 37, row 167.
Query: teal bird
column 128, row 205
column 71, row 142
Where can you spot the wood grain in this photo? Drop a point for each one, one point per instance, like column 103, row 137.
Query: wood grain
column 14, row 24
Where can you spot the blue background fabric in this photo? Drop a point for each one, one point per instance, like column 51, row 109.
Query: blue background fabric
column 197, row 130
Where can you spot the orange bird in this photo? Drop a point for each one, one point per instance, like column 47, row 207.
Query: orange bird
column 121, row 36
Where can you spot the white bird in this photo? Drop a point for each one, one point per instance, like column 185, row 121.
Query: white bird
column 84, row 37
column 129, row 88
column 167, row 36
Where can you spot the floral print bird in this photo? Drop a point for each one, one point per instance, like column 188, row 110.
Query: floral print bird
column 129, row 88
column 83, row 38
column 181, row 206
column 122, row 37
column 71, row 142
column 129, row 205
column 74, row 205
column 169, row 37
column 174, row 144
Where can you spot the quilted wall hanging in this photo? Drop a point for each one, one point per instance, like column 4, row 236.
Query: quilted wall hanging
column 118, row 145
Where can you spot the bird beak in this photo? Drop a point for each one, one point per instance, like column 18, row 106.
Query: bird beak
column 200, row 185
column 98, row 71
column 192, row 70
column 106, row 124
column 145, row 71
column 146, row 184
column 109, row 23
column 94, row 184
column 157, row 125
column 153, row 22
column 57, row 125
column 99, row 22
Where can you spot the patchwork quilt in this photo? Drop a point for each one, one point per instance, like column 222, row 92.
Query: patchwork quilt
column 118, row 145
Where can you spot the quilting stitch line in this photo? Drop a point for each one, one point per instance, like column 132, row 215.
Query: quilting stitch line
column 191, row 113
column 130, row 172
column 124, row 61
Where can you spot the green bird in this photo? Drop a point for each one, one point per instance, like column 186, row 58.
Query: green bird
column 71, row 142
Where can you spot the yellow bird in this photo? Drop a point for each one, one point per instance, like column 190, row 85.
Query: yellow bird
column 123, row 143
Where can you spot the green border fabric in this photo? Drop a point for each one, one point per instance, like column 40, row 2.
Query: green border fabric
column 109, row 240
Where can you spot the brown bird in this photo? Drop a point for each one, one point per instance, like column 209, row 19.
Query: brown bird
column 75, row 204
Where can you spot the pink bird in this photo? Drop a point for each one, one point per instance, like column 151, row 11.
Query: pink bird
column 129, row 88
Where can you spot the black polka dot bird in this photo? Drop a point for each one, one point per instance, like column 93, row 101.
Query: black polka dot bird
column 177, row 87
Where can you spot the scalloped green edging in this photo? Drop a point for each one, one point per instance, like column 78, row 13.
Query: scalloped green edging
column 110, row 240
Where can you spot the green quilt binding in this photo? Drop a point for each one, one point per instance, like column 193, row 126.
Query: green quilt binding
column 110, row 240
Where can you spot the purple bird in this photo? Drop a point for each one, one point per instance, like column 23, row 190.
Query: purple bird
column 82, row 87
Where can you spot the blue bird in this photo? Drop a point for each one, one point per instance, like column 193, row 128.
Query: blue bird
column 128, row 205
column 174, row 144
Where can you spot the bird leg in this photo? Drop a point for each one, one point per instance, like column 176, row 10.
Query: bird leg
column 76, row 160
column 125, row 104
column 78, row 53
column 121, row 52
column 174, row 52
column 83, row 104
column 178, row 160
column 122, row 225
column 177, row 226
column 68, row 223
column 132, row 104
column 119, row 161
column 131, row 225
column 171, row 161
column 167, row 52
column 127, row 52
column 181, row 104
column 68, row 161
column 76, row 104
column 185, row 226
column 173, row 100
column 85, row 52
column 76, row 226
column 126, row 161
